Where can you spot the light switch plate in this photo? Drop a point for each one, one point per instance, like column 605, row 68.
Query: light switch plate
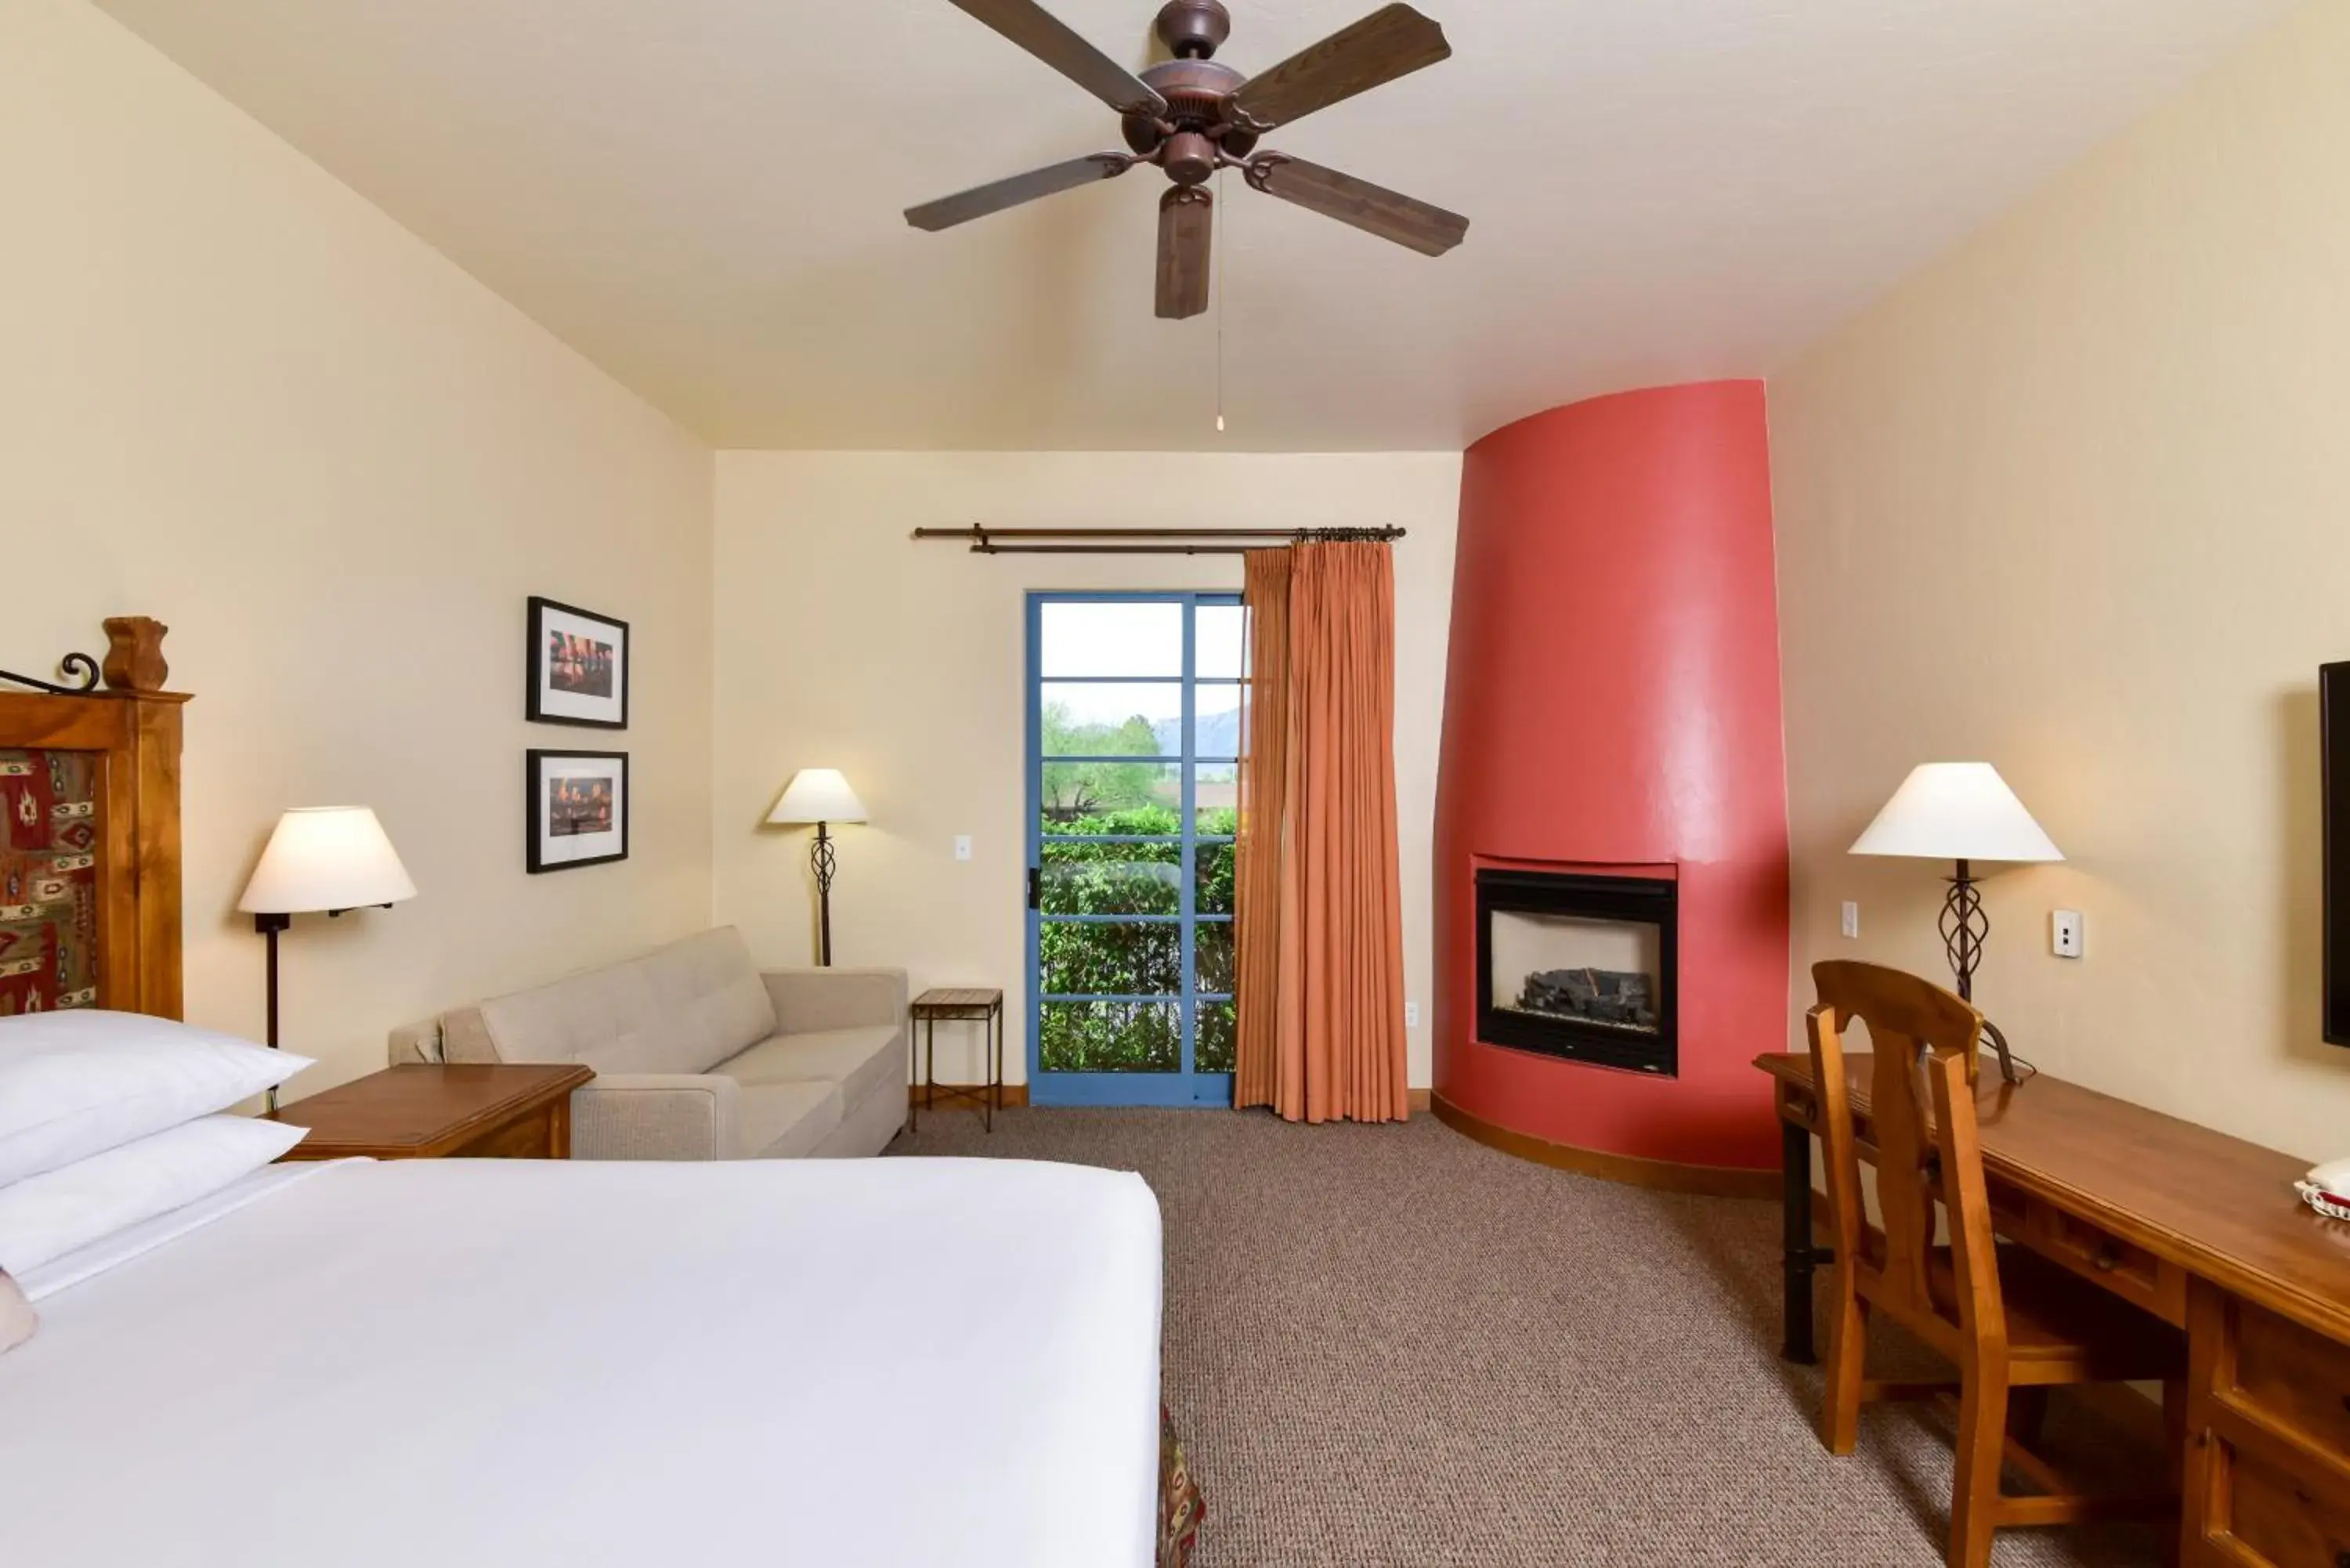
column 1851, row 920
column 1411, row 1015
column 2065, row 937
column 963, row 845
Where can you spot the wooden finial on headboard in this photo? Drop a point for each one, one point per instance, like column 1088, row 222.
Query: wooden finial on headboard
column 134, row 654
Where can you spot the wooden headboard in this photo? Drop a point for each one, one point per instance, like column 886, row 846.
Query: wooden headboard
column 89, row 847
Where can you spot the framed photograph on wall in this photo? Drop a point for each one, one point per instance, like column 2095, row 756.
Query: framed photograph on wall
column 578, row 667
column 578, row 809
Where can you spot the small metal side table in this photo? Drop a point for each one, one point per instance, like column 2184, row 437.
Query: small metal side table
column 974, row 1004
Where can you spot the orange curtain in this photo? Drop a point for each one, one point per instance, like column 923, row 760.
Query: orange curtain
column 1317, row 892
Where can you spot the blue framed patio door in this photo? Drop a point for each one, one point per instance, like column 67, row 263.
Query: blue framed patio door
column 1134, row 707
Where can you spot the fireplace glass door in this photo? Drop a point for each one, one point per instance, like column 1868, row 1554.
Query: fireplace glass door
column 1578, row 966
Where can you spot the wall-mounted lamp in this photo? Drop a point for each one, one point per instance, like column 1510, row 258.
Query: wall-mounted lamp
column 320, row 859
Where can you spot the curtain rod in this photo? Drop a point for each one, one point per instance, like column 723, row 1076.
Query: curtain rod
column 985, row 541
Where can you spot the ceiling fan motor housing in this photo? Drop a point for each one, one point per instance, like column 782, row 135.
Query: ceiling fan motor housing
column 1197, row 93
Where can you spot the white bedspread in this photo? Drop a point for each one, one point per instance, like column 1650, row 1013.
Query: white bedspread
column 836, row 1363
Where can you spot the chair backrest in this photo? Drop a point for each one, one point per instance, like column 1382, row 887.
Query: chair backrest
column 1927, row 1046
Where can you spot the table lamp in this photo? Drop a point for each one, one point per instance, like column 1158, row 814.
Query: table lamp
column 1960, row 812
column 325, row 858
column 822, row 796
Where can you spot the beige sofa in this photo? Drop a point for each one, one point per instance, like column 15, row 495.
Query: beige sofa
column 701, row 1055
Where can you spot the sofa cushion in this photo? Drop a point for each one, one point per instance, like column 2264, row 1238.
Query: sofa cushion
column 856, row 1059
column 678, row 1010
column 784, row 1121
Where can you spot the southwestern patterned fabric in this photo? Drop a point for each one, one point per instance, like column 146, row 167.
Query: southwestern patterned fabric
column 48, row 879
column 1180, row 1507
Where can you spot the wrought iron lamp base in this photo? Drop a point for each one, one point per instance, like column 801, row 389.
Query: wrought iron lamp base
column 823, row 860
column 1965, row 928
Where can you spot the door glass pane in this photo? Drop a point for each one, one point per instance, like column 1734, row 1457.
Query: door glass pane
column 1110, row 1037
column 1222, row 639
column 1216, row 720
column 1212, row 1051
column 1113, row 719
column 1212, row 867
column 1211, row 954
column 1215, row 796
column 1110, row 958
column 1111, row 797
column 1111, row 639
column 1112, row 879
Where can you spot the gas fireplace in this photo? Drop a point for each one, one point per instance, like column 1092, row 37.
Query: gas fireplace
column 1578, row 965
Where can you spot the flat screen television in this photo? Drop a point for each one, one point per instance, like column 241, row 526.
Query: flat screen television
column 2334, row 751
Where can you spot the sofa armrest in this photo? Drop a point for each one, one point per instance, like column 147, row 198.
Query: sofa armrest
column 807, row 1000
column 653, row 1115
column 414, row 1043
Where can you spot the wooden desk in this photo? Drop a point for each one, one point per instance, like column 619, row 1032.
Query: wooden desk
column 2202, row 1230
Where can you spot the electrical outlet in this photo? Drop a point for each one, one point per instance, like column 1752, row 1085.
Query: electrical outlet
column 1851, row 924
column 1411, row 1015
column 963, row 845
column 2064, row 933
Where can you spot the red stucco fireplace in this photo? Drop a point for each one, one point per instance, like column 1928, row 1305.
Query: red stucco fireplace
column 1612, row 713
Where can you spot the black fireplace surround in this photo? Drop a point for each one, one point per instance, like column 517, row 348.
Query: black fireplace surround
column 1609, row 1018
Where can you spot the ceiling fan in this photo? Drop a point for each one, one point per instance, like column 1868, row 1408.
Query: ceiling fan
column 1192, row 116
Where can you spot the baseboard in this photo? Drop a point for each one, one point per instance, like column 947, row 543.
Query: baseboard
column 1420, row 1099
column 1707, row 1180
column 1014, row 1095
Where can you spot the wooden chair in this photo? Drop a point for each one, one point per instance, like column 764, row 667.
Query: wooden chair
column 2015, row 1323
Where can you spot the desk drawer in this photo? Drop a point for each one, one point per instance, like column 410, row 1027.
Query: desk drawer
column 2295, row 1380
column 2128, row 1271
column 2278, row 1520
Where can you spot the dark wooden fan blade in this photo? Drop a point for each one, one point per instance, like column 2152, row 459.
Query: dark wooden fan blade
column 1374, row 210
column 1389, row 43
column 1048, row 38
column 1186, row 230
column 978, row 203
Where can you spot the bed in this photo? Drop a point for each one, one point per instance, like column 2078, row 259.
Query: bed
column 546, row 1365
column 886, row 1362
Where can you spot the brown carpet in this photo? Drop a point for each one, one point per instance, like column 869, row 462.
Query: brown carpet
column 1392, row 1345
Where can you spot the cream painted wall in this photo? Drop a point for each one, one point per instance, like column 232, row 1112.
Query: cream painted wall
column 2075, row 501
column 842, row 643
column 239, row 399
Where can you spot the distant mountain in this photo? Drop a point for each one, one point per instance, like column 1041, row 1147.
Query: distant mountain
column 1220, row 735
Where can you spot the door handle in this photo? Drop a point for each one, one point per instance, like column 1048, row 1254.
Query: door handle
column 1036, row 887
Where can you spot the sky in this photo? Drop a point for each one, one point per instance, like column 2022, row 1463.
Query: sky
column 1141, row 639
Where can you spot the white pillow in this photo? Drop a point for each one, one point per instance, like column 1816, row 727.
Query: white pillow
column 17, row 1319
column 79, row 1082
column 49, row 1215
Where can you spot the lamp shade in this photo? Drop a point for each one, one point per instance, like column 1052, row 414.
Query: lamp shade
column 817, row 794
column 326, row 857
column 1956, row 811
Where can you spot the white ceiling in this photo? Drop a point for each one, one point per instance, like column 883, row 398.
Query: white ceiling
column 703, row 196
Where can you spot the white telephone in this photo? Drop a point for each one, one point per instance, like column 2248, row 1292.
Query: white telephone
column 2327, row 1189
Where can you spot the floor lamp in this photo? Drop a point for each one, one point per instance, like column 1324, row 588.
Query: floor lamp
column 819, row 796
column 1960, row 812
column 321, row 859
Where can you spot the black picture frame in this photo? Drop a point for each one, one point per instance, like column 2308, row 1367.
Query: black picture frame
column 536, row 837
column 546, row 704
